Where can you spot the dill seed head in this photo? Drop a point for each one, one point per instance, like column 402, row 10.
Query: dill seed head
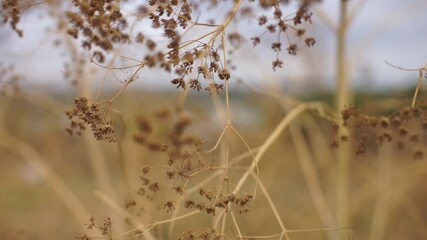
column 277, row 64
column 154, row 187
column 9, row 80
column 310, row 41
column 384, row 122
column 415, row 138
column 255, row 41
column 155, row 146
column 276, row 46
column 292, row 49
column 11, row 12
column 262, row 20
column 418, row 155
column 400, row 145
column 139, row 138
column 169, row 206
column 144, row 125
column 96, row 115
column 402, row 132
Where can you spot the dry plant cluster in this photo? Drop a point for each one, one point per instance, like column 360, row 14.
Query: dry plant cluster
column 405, row 129
column 184, row 175
column 9, row 80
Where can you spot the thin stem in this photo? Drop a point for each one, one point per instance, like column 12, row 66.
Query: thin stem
column 123, row 213
column 270, row 140
column 71, row 200
column 132, row 78
column 380, row 216
column 342, row 93
column 227, row 97
column 310, row 174
column 218, row 141
column 272, row 206
column 419, row 82
column 233, row 217
column 342, row 99
column 298, row 231
column 401, row 68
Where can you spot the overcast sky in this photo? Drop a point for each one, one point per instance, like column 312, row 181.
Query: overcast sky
column 392, row 30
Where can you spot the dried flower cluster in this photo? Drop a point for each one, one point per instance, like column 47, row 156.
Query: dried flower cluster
column 212, row 69
column 205, row 234
column 184, row 161
column 192, row 61
column 406, row 129
column 11, row 13
column 200, row 63
column 176, row 141
column 74, row 69
column 105, row 228
column 100, row 22
column 202, row 59
column 96, row 115
column 282, row 25
column 212, row 201
column 180, row 148
column 9, row 80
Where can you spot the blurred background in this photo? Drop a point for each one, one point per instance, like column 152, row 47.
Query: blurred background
column 51, row 182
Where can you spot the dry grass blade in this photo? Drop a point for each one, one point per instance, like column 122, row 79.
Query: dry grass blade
column 311, row 176
column 72, row 202
column 270, row 140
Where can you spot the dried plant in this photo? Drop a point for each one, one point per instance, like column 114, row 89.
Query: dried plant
column 9, row 80
column 179, row 177
column 405, row 129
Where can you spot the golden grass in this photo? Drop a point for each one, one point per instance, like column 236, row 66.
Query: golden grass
column 52, row 187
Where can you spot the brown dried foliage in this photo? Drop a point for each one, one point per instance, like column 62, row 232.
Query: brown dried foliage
column 184, row 160
column 201, row 63
column 96, row 115
column 105, row 228
column 11, row 13
column 285, row 25
column 100, row 23
column 405, row 129
column 9, row 80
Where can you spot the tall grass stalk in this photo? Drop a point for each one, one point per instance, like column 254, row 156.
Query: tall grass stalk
column 341, row 100
column 54, row 181
column 379, row 220
column 97, row 158
column 311, row 177
column 125, row 215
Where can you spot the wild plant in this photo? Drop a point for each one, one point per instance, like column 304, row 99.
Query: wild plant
column 189, row 187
